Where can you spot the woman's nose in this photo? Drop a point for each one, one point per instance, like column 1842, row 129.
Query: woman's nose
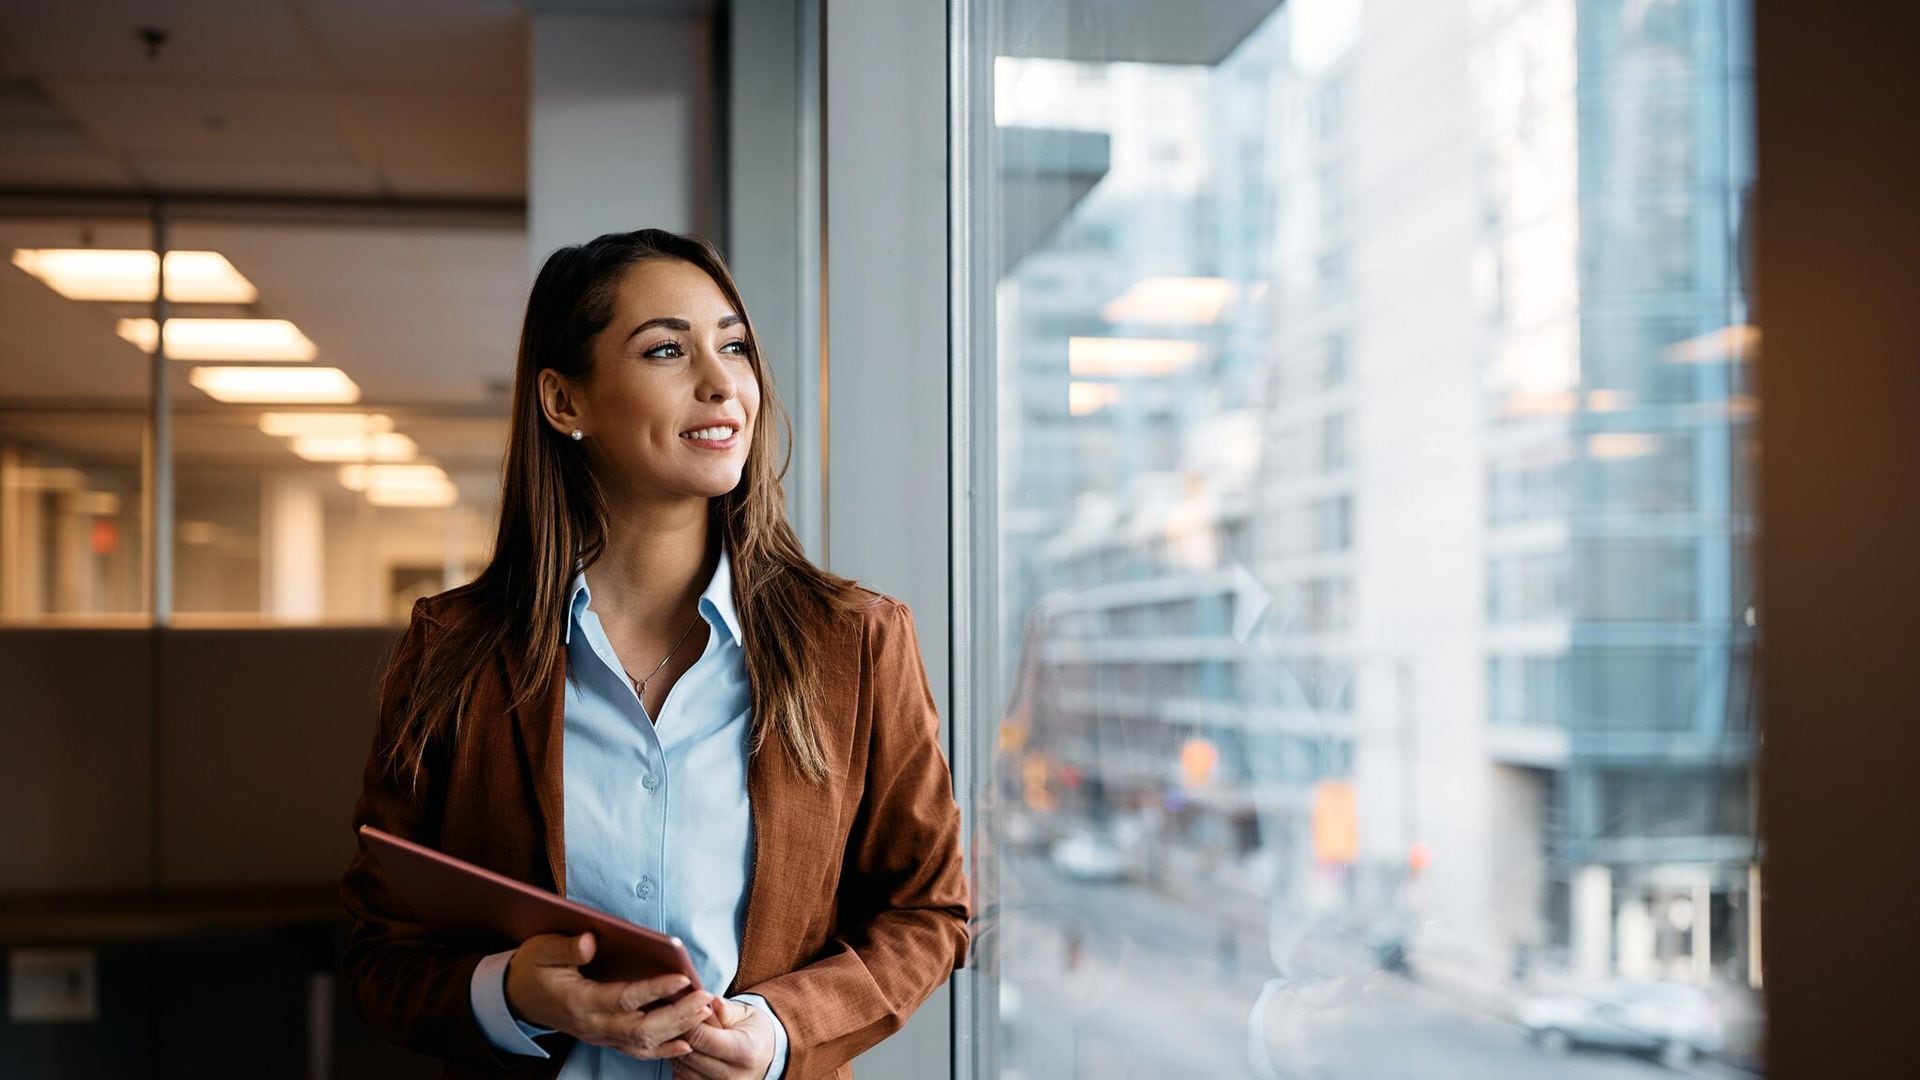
column 716, row 382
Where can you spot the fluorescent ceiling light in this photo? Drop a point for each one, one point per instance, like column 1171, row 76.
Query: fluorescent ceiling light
column 1608, row 400
column 1620, row 445
column 378, row 446
column 97, row 503
column 361, row 477
column 1106, row 357
column 276, row 385
column 1085, row 398
column 1540, row 404
column 445, row 496
column 401, row 485
column 47, row 478
column 1170, row 300
column 193, row 277
column 1726, row 343
column 289, row 424
column 222, row 339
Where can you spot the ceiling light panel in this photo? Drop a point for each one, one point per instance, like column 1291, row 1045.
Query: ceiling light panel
column 290, row 424
column 382, row 446
column 222, row 339
column 193, row 277
column 276, row 385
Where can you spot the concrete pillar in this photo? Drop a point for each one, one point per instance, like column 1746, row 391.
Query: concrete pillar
column 292, row 556
column 1592, row 921
column 1635, row 932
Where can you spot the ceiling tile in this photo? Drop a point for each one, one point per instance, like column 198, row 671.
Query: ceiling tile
column 63, row 169
column 277, row 176
column 55, row 348
column 453, row 44
column 207, row 39
column 218, row 121
column 439, row 144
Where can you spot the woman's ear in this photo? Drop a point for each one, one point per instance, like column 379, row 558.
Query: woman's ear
column 560, row 402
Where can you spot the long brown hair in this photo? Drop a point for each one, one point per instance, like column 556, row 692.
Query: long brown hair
column 552, row 511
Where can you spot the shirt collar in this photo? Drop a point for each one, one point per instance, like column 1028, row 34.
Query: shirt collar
column 716, row 600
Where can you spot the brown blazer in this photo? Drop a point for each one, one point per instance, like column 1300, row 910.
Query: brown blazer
column 857, row 906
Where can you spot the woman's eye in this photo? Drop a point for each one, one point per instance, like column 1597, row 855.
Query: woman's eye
column 670, row 350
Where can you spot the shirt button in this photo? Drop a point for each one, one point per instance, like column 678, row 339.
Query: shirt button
column 645, row 888
column 650, row 781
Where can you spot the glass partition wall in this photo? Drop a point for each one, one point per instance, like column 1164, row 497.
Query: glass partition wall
column 1360, row 430
column 336, row 397
column 73, row 422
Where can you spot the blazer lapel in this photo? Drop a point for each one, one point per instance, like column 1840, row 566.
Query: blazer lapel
column 769, row 828
column 792, row 816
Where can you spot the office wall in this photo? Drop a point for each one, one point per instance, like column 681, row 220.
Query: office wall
column 74, row 772
column 261, row 738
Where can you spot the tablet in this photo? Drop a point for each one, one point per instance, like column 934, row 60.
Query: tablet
column 459, row 901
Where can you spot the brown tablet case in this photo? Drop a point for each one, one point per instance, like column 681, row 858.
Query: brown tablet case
column 469, row 904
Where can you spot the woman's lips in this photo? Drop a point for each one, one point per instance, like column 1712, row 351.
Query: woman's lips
column 712, row 444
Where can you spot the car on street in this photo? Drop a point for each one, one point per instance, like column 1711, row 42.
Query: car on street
column 1672, row 1021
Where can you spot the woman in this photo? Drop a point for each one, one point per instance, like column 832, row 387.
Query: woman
column 652, row 702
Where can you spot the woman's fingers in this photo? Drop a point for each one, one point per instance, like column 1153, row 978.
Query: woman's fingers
column 629, row 997
column 654, row 1033
column 559, row 950
column 672, row 1021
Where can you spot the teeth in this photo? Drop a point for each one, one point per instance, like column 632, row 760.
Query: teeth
column 716, row 434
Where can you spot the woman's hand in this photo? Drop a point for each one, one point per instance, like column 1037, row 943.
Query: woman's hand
column 545, row 987
column 737, row 1044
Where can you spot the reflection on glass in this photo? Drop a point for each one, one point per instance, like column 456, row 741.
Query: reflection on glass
column 72, row 430
column 1371, row 447
column 294, row 508
column 337, row 414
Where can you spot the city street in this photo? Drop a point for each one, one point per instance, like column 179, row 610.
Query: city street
column 1152, row 995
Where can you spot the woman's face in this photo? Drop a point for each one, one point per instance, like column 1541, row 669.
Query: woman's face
column 669, row 405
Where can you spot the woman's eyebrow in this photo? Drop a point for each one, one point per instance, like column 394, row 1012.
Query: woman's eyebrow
column 682, row 325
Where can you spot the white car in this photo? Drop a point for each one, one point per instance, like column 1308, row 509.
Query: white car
column 1088, row 857
column 1675, row 1021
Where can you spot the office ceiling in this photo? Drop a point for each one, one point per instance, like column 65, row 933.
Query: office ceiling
column 413, row 99
column 370, row 102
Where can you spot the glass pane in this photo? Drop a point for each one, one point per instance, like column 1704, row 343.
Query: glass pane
column 73, row 420
column 1367, row 652
column 293, row 507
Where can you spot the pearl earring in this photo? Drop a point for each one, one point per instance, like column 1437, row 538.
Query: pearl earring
column 576, row 435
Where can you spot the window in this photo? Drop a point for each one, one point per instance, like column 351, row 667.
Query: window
column 273, row 518
column 1525, row 690
column 1478, row 692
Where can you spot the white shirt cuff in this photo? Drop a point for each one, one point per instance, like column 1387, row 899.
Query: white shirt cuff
column 779, row 1063
column 488, row 994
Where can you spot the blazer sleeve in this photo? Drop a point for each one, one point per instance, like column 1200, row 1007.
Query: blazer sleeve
column 904, row 904
column 407, row 987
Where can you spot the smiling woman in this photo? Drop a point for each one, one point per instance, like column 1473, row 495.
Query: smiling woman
column 673, row 378
column 642, row 530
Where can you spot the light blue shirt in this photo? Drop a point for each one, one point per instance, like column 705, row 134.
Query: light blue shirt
column 658, row 827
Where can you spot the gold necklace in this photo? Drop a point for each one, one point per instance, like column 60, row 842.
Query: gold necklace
column 640, row 685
